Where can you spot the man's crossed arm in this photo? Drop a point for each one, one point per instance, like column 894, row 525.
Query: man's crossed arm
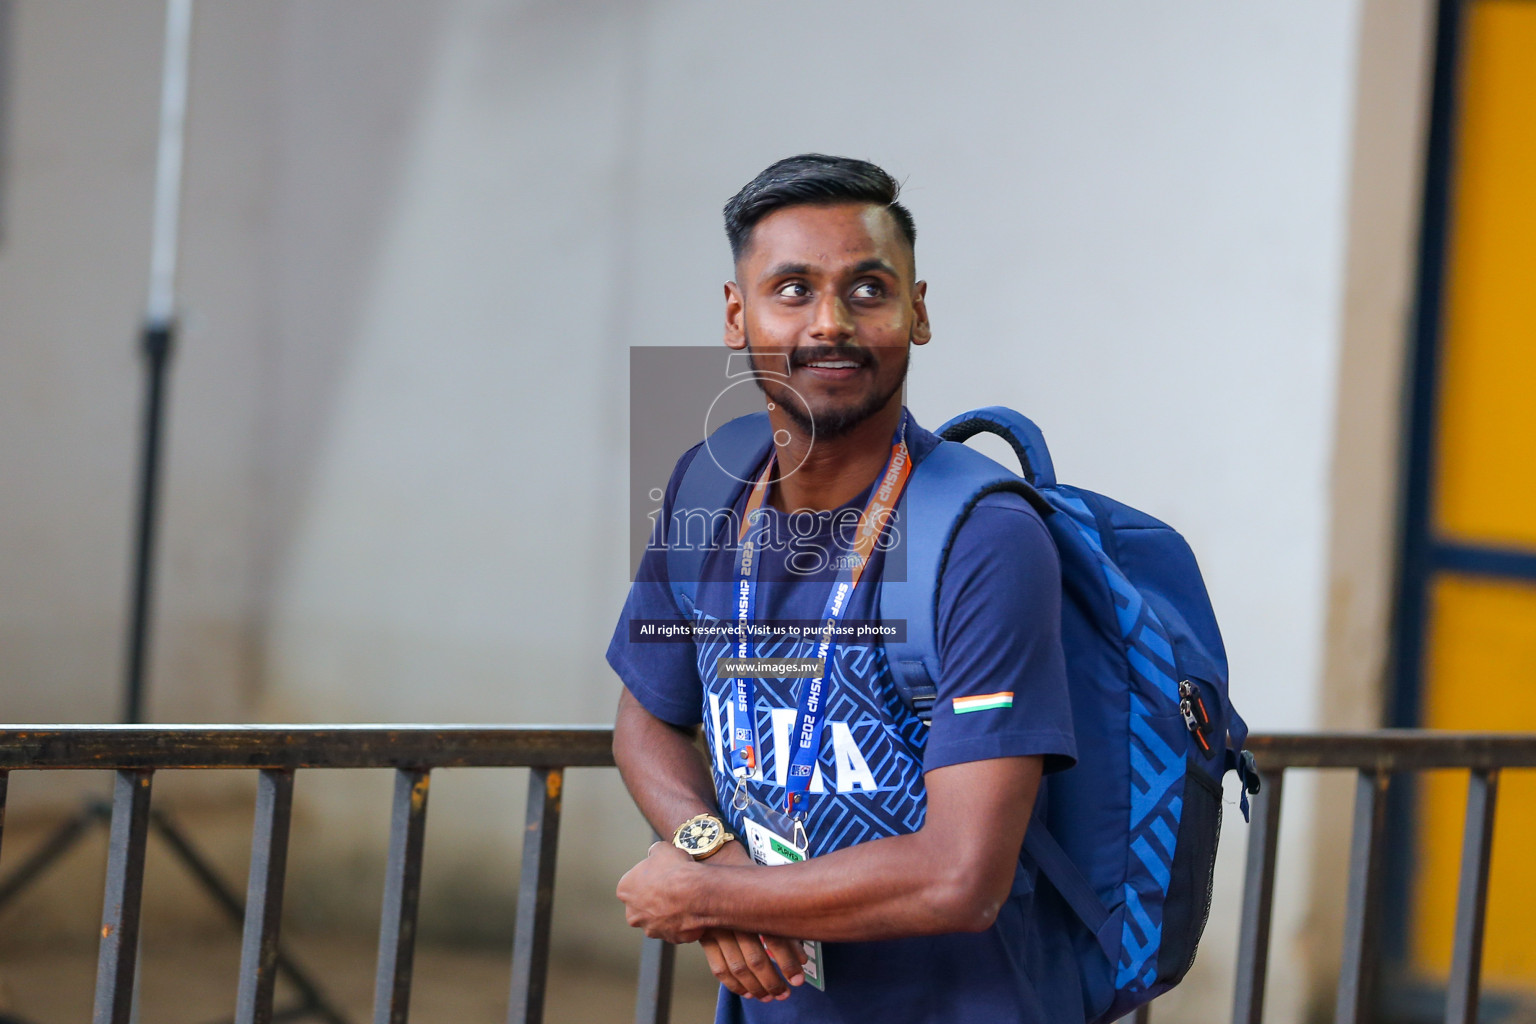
column 951, row 875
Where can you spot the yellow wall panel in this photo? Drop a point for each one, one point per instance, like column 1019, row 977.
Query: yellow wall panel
column 1481, row 674
column 1486, row 455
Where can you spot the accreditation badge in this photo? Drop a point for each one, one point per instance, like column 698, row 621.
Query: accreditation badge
column 775, row 838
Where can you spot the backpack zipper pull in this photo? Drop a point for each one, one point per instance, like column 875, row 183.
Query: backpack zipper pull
column 1189, row 701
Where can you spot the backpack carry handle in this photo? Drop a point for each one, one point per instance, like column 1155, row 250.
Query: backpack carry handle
column 1018, row 430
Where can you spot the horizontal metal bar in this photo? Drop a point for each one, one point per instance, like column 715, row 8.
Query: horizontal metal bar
column 407, row 746
column 289, row 747
column 1394, row 750
column 1478, row 560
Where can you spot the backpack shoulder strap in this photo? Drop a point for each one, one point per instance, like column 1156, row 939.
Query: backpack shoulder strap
column 719, row 471
column 943, row 489
column 941, row 492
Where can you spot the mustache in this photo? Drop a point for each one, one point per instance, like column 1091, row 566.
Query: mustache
column 806, row 356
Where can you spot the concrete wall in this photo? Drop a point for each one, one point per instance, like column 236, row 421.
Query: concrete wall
column 76, row 231
column 73, row 273
column 420, row 243
column 83, row 96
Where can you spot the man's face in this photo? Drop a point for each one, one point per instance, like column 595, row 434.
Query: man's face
column 832, row 289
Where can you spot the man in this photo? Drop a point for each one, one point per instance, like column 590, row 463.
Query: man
column 913, row 880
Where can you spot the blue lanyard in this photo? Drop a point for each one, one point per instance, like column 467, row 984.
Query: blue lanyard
column 744, row 745
column 805, row 740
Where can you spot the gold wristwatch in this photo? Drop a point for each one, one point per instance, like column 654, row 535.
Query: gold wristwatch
column 701, row 836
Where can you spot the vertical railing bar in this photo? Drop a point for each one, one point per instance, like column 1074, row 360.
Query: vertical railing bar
column 653, row 1003
column 1472, row 899
column 1258, row 900
column 229, row 901
column 1360, row 932
column 117, row 962
column 536, row 896
column 264, row 897
column 658, row 962
column 402, row 891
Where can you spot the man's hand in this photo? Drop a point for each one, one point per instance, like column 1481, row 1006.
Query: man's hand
column 741, row 961
column 655, row 894
column 744, row 962
column 670, row 782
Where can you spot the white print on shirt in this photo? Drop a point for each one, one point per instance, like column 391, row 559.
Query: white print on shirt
column 853, row 772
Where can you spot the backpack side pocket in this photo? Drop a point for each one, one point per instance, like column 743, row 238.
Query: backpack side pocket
column 1188, row 904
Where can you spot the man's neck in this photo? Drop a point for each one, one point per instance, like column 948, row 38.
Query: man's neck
column 832, row 472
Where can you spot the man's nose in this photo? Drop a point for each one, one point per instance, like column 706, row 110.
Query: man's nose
column 833, row 321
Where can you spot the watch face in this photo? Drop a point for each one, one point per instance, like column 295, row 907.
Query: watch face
column 699, row 835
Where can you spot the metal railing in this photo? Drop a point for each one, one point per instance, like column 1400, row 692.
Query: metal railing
column 136, row 753
column 1374, row 757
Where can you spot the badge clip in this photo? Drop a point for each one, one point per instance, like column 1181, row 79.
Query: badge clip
column 800, row 839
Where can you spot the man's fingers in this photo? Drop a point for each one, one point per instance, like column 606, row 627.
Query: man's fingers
column 716, row 962
column 789, row 955
column 761, row 965
column 717, row 967
column 748, row 963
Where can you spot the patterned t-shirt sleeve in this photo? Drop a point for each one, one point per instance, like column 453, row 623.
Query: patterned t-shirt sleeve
column 662, row 674
column 1002, row 690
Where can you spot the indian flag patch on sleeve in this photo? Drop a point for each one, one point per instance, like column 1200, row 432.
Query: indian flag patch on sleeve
column 984, row 702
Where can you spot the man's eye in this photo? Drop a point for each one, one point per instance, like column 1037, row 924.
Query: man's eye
column 868, row 290
column 794, row 290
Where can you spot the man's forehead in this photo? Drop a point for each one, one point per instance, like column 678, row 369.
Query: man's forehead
column 828, row 237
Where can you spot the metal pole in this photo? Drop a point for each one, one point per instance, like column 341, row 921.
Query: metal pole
column 159, row 331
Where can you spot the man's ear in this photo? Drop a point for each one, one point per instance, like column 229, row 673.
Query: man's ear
column 922, row 331
column 735, row 317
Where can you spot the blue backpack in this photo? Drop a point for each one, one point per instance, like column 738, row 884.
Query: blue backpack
column 1131, row 830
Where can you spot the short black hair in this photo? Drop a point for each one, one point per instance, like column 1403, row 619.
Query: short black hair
column 812, row 179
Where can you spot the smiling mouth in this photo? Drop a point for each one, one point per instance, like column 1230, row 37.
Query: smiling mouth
column 832, row 369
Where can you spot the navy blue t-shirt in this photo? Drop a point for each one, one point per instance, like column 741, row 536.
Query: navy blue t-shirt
column 999, row 634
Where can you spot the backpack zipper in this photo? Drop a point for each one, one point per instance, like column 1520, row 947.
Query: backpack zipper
column 1196, row 719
